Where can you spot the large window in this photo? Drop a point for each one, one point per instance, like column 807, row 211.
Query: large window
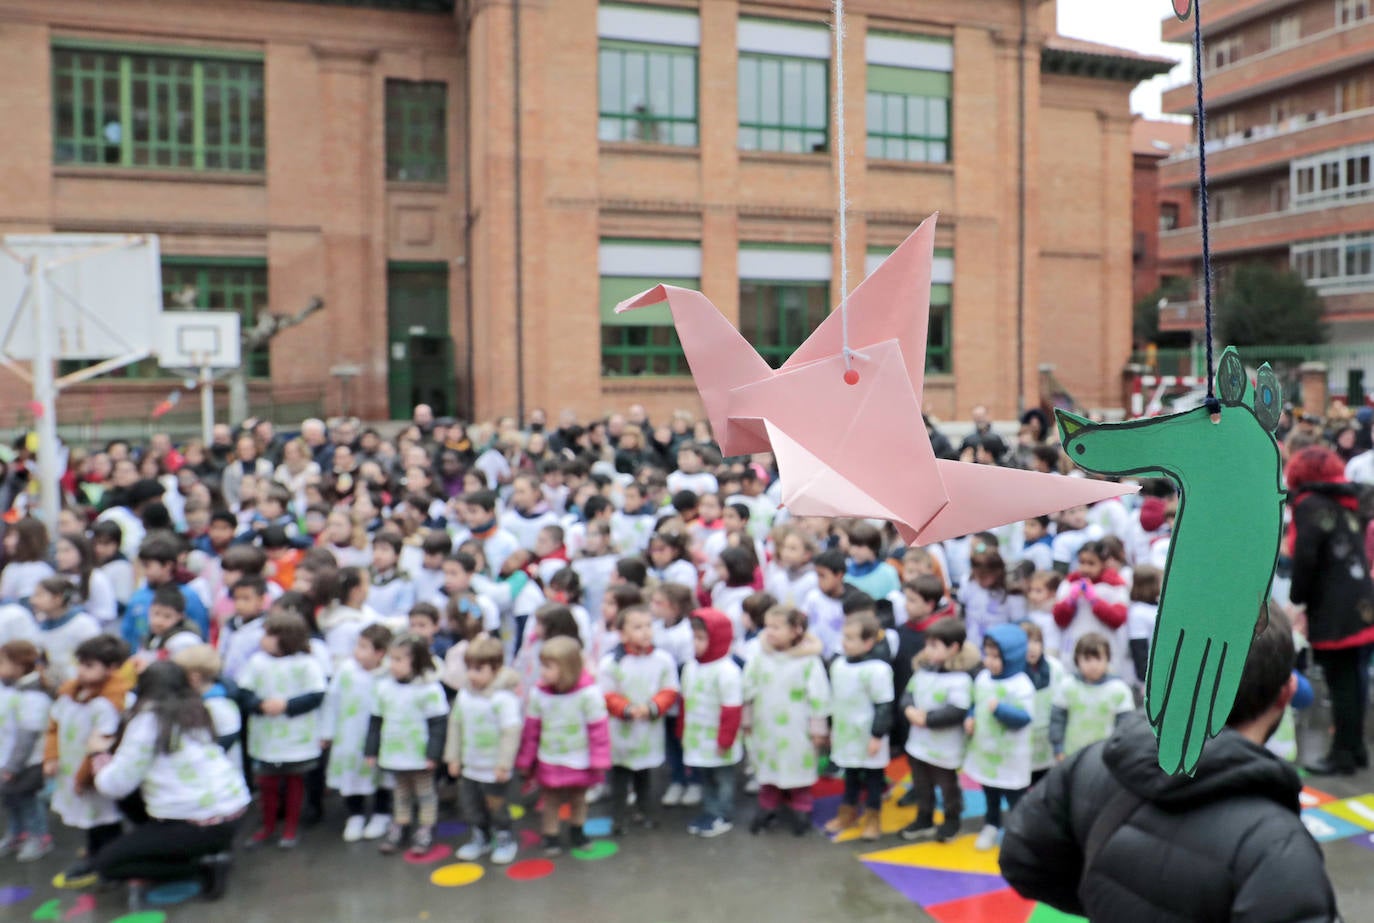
column 416, row 131
column 158, row 110
column 1351, row 11
column 777, row 317
column 940, row 335
column 648, row 93
column 1344, row 173
column 783, row 104
column 908, row 114
column 1347, row 260
column 643, row 341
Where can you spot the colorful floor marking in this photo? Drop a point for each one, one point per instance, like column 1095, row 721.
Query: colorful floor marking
column 13, row 894
column 448, row 829
column 1311, row 798
column 530, row 870
column 1359, row 811
column 49, row 910
column 530, row 838
column 457, row 875
column 84, row 905
column 1326, row 828
column 143, row 916
column 597, row 826
column 1005, row 906
column 597, row 850
column 933, row 886
column 436, row 853
column 1365, row 839
column 172, row 892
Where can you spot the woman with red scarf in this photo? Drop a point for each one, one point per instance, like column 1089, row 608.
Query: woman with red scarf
column 1331, row 578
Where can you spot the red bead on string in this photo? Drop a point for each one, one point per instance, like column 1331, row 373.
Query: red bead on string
column 851, row 376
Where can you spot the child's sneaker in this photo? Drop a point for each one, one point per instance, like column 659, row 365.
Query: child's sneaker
column 288, row 842
column 505, row 848
column 751, row 785
column 377, row 826
column 718, row 827
column 353, row 829
column 948, row 830
column 908, row 799
column 691, row 796
column 673, row 796
column 699, row 823
column 259, row 838
column 871, row 827
column 78, row 876
column 422, row 840
column 596, row 793
column 578, row 837
column 801, row 823
column 552, row 845
column 475, row 848
column 762, row 821
column 919, row 829
column 391, row 843
column 10, row 844
column 34, row 848
column 987, row 838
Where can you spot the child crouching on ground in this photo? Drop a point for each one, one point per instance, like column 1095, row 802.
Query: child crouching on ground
column 787, row 699
column 565, row 744
column 999, row 747
column 935, row 704
column 480, row 750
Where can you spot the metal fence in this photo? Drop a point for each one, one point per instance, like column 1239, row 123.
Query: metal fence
column 1349, row 366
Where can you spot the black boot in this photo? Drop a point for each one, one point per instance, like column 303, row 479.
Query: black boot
column 801, row 823
column 1335, row 763
column 922, row 828
column 214, row 875
column 762, row 821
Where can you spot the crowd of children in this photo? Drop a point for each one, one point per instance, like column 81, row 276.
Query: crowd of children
column 569, row 633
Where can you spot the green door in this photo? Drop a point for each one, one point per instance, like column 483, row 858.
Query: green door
column 420, row 349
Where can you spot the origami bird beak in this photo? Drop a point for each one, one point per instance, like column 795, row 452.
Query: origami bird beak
column 1071, row 424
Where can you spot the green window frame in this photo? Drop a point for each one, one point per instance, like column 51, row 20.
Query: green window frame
column 647, row 93
column 642, row 342
column 417, row 131
column 157, row 109
column 784, row 103
column 778, row 316
column 940, row 337
column 908, row 114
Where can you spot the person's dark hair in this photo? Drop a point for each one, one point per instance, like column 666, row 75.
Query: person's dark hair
column 156, row 517
column 831, row 560
column 865, row 535
column 345, row 582
column 685, row 500
column 160, row 548
column 106, row 650
column 555, row 533
column 253, row 583
column 165, row 690
column 632, row 570
column 30, row 540
column 290, row 629
column 757, row 605
column 437, row 543
column 625, row 595
column 869, row 626
column 1268, row 666
column 392, row 540
column 274, row 538
column 1147, row 582
column 425, row 611
column 482, row 499
column 557, row 622
column 225, row 516
column 1096, row 549
column 948, row 631
column 856, row 600
column 377, row 635
column 302, row 605
column 678, row 596
column 927, row 586
column 1092, row 644
column 595, row 506
column 739, row 566
column 674, row 540
column 1047, row 455
column 169, row 595
column 249, row 560
column 415, row 647
column 60, row 587
column 107, row 530
column 86, row 555
column 741, row 510
column 567, row 582
column 464, row 560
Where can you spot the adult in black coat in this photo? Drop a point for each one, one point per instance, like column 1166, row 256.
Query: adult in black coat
column 1331, row 579
column 1109, row 835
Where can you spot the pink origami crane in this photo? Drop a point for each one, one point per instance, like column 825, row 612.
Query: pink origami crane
column 858, row 450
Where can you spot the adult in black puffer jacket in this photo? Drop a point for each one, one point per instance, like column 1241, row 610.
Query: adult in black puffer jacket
column 1226, row 844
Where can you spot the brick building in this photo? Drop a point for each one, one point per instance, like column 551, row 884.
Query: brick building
column 366, row 151
column 1290, row 143
column 1156, row 209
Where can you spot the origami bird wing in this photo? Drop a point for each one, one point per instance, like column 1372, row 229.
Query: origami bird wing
column 868, row 436
column 892, row 302
column 720, row 358
column 985, row 496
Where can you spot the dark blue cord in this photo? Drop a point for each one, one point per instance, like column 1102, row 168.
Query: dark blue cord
column 1213, row 405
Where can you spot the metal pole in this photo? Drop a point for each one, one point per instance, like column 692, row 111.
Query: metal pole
column 207, row 405
column 45, row 391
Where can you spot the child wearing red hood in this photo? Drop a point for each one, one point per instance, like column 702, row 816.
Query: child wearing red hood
column 713, row 705
column 566, row 743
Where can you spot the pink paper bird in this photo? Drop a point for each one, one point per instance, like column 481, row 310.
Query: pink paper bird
column 857, row 450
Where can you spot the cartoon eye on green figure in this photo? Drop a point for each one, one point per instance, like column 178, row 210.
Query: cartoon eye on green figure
column 1224, row 546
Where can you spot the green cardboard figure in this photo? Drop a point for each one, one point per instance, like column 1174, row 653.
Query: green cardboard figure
column 1224, row 548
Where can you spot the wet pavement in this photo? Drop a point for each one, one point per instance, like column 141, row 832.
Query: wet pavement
column 665, row 876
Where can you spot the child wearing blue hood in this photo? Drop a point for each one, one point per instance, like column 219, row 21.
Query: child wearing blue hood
column 998, row 726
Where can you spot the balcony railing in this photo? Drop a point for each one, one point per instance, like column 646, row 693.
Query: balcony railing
column 1265, row 146
column 1273, row 230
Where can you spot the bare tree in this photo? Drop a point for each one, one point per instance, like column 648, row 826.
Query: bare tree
column 256, row 337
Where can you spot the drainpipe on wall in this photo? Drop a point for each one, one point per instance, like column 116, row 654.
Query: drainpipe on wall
column 469, row 219
column 1021, row 215
column 519, row 228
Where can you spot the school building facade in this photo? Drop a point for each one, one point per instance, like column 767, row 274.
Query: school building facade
column 472, row 185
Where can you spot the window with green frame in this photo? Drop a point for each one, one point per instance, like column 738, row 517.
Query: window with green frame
column 908, row 114
column 416, row 131
column 777, row 317
column 648, row 93
column 940, row 340
column 783, row 104
column 644, row 341
column 156, row 109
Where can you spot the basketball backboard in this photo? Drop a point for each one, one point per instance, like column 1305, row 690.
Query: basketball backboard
column 104, row 291
column 199, row 339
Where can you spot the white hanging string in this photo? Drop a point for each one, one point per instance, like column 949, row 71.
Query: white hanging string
column 843, row 167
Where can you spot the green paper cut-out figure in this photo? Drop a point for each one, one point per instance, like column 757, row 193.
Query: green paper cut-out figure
column 1224, row 547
